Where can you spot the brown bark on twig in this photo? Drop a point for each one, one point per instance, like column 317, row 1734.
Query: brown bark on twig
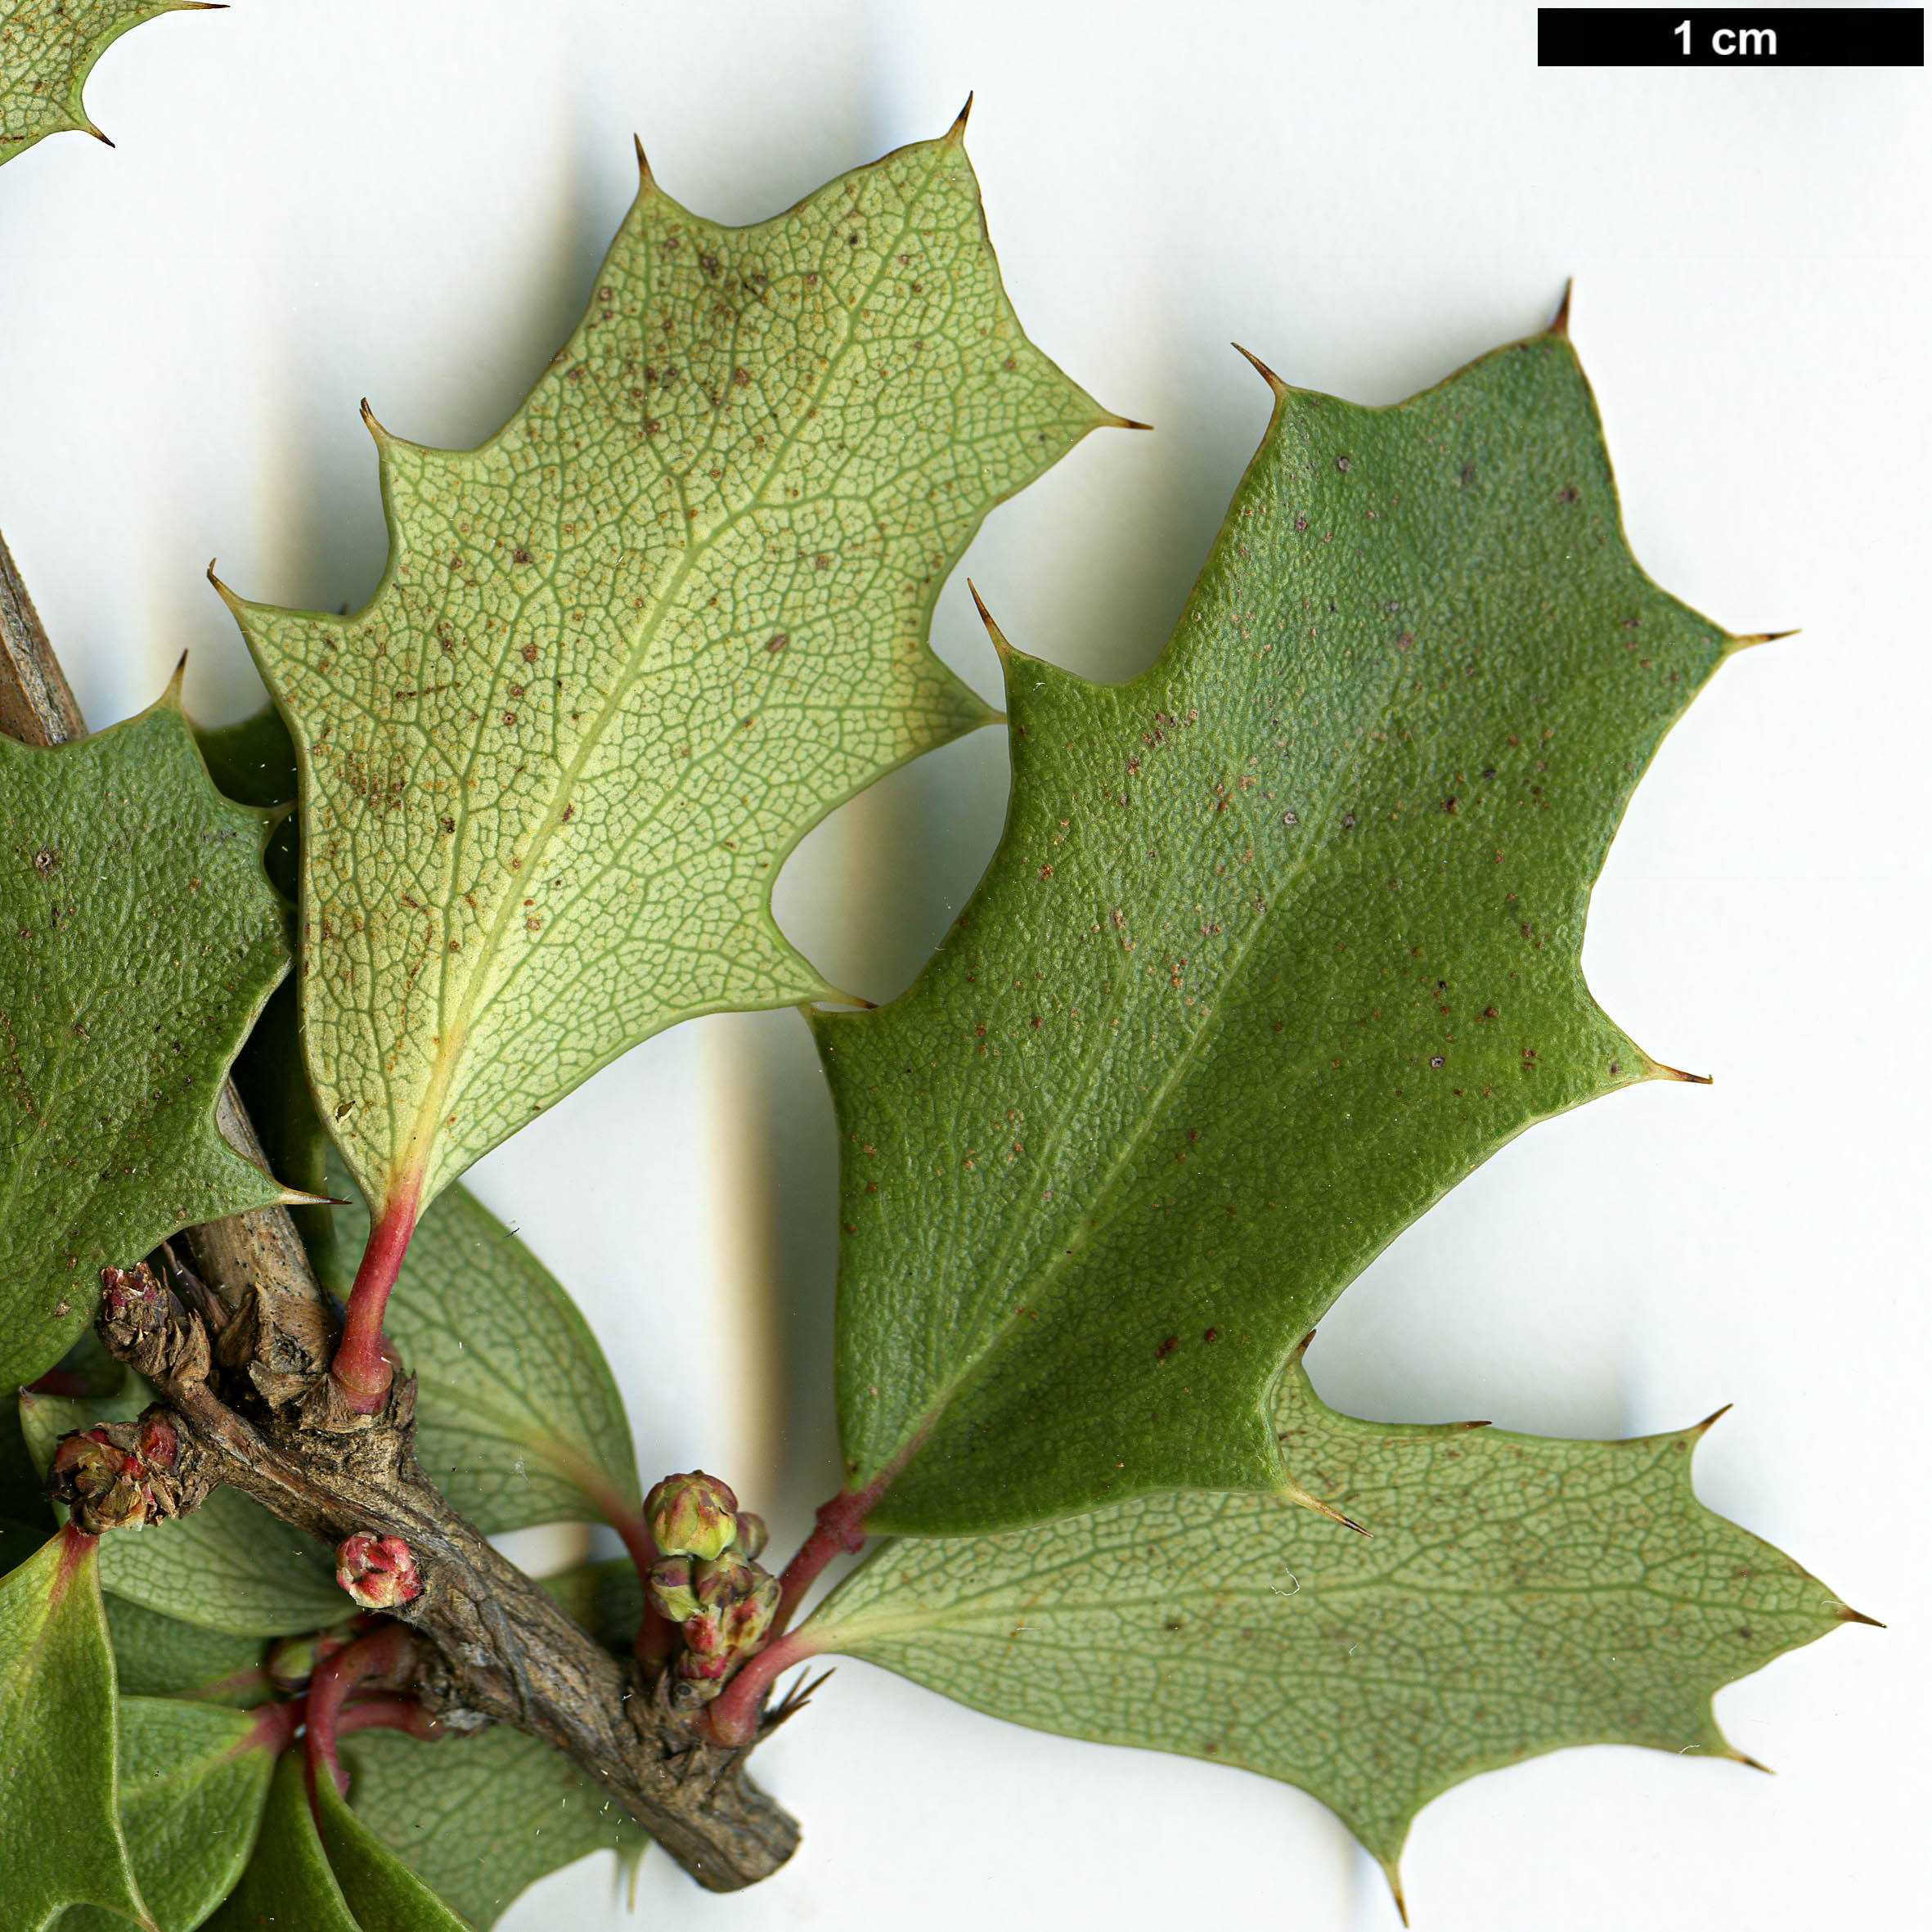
column 255, row 1409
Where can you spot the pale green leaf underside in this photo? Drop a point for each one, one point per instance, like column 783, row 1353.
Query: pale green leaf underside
column 141, row 940
column 228, row 1566
column 1281, row 940
column 59, row 1828
column 48, row 49
column 481, row 1819
column 517, row 1417
column 1515, row 1595
column 629, row 651
column 192, row 1791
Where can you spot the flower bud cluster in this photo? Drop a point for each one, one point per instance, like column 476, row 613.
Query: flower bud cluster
column 119, row 1475
column 708, row 1580
column 379, row 1572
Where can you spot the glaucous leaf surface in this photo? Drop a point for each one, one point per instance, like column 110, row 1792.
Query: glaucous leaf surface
column 192, row 1785
column 287, row 1884
column 518, row 1417
column 1281, row 940
column 1514, row 1595
column 228, row 1565
column 481, row 1819
column 630, row 651
column 161, row 1656
column 381, row 1890
column 144, row 940
column 47, row 50
column 58, row 1821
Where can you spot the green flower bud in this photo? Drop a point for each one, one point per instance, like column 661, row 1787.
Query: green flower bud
column 752, row 1535
column 692, row 1516
column 670, row 1588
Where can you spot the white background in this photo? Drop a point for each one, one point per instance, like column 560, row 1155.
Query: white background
column 314, row 200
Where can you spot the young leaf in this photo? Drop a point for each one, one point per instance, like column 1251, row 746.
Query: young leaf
column 630, row 651
column 194, row 1780
column 1513, row 1596
column 517, row 1417
column 381, row 1890
column 161, row 1656
column 47, row 50
column 228, row 1566
column 481, row 1819
column 147, row 940
column 1281, row 940
column 58, row 1821
column 252, row 760
column 287, row 1882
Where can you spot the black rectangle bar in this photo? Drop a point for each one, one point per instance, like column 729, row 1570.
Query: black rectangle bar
column 1731, row 37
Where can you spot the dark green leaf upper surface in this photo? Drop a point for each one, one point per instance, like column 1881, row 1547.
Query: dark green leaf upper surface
column 480, row 1819
column 287, row 1885
column 517, row 1417
column 1281, row 940
column 60, row 1829
column 141, row 939
column 382, row 1892
column 194, row 1780
column 1513, row 1596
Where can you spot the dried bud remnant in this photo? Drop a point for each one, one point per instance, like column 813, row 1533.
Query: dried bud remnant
column 692, row 1516
column 99, row 1482
column 379, row 1572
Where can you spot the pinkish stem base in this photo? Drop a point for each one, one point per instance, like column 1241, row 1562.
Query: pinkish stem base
column 732, row 1717
column 335, row 1677
column 362, row 1369
column 841, row 1529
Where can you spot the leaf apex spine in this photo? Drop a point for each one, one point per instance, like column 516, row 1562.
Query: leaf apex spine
column 1295, row 1493
column 647, row 182
column 1744, row 641
column 1847, row 1614
column 955, row 135
column 1560, row 322
column 993, row 631
column 1711, row 1421
column 1657, row 1070
column 1267, row 374
column 382, row 438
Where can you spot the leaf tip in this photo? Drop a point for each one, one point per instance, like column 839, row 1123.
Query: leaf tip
column 1711, row 1421
column 993, row 631
column 955, row 135
column 647, row 182
column 1847, row 1614
column 171, row 696
column 1295, row 1493
column 1560, row 322
column 1746, row 1759
column 1111, row 421
column 1393, row 1873
column 1734, row 644
column 1657, row 1070
column 382, row 438
column 1267, row 374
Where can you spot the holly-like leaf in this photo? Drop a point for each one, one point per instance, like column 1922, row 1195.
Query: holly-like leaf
column 142, row 940
column 1514, row 1596
column 228, row 1566
column 381, row 1890
column 47, row 50
column 194, row 1779
column 481, row 1819
column 1281, row 940
column 287, row 1882
column 58, row 1820
column 161, row 1656
column 518, row 1417
column 630, row 651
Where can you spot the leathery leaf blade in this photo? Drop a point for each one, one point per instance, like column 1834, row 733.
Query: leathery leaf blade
column 48, row 49
column 630, row 651
column 287, row 1881
column 58, row 1820
column 517, row 1415
column 194, row 1780
column 1281, row 940
column 381, row 1890
column 1514, row 1595
column 481, row 1819
column 144, row 940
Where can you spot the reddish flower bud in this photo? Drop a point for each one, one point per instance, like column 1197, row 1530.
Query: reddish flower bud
column 752, row 1535
column 160, row 1442
column 378, row 1572
column 692, row 1516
